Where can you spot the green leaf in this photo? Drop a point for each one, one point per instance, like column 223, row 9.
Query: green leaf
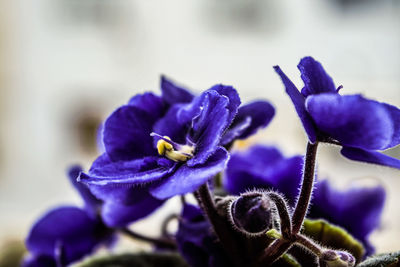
column 382, row 260
column 333, row 236
column 137, row 260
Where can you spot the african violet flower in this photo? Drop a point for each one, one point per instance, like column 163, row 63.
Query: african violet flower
column 159, row 147
column 358, row 210
column 66, row 234
column 248, row 120
column 362, row 126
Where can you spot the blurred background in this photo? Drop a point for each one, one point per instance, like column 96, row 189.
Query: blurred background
column 66, row 64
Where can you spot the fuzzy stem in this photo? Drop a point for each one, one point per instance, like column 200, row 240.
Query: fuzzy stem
column 309, row 244
column 280, row 203
column 161, row 242
column 306, row 188
column 220, row 226
column 274, row 251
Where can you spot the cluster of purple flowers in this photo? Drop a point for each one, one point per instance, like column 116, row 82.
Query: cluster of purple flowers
column 158, row 147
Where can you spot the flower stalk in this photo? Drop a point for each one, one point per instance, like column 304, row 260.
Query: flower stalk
column 307, row 185
column 220, row 226
column 286, row 224
column 160, row 242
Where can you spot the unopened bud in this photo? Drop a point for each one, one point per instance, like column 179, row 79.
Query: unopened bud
column 336, row 258
column 251, row 213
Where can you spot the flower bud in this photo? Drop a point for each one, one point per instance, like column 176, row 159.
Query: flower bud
column 251, row 213
column 336, row 258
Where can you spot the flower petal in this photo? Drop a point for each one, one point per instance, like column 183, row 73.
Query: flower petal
column 91, row 202
column 127, row 134
column 70, row 226
column 115, row 214
column 352, row 120
column 370, row 157
column 315, row 79
column 172, row 94
column 395, row 116
column 125, row 184
column 261, row 114
column 298, row 101
column 233, row 97
column 358, row 210
column 106, row 172
column 236, row 130
column 263, row 167
column 208, row 126
column 150, row 103
column 187, row 179
column 170, row 126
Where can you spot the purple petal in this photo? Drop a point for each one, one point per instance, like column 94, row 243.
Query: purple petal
column 70, row 226
column 172, row 94
column 150, row 103
column 193, row 229
column 358, row 210
column 261, row 114
column 395, row 116
column 191, row 213
column 352, row 120
column 209, row 126
column 128, row 173
column 315, row 79
column 187, row 179
column 91, row 202
column 187, row 112
column 99, row 139
column 370, row 157
column 299, row 104
column 127, row 134
column 236, row 130
column 263, row 167
column 233, row 97
column 118, row 215
column 170, row 126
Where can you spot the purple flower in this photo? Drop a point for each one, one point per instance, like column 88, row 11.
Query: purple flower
column 159, row 147
column 66, row 234
column 361, row 126
column 358, row 210
column 248, row 120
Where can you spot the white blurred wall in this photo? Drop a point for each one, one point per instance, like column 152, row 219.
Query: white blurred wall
column 60, row 58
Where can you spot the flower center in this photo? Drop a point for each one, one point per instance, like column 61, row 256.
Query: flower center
column 174, row 151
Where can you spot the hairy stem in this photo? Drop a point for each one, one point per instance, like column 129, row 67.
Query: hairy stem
column 220, row 226
column 303, row 202
column 160, row 242
column 274, row 252
column 280, row 203
column 309, row 244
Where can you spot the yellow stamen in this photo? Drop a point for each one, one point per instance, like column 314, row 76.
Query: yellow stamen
column 166, row 149
column 163, row 145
